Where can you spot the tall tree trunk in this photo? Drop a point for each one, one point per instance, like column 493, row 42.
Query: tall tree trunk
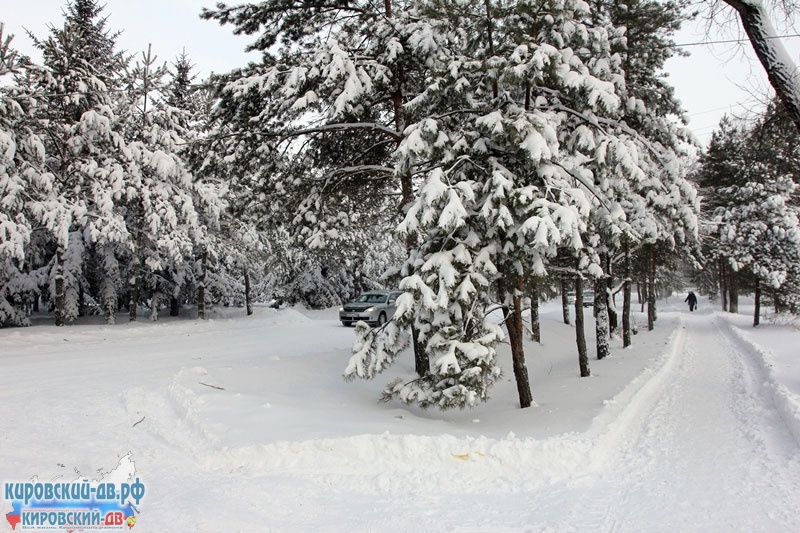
column 133, row 289
column 248, row 301
column 611, row 304
column 59, row 298
column 421, row 359
column 513, row 320
column 601, row 324
column 490, row 40
column 580, row 334
column 154, row 303
column 733, row 290
column 757, row 313
column 422, row 363
column 565, row 299
column 201, row 286
column 651, row 288
column 134, row 281
column 777, row 63
column 643, row 298
column 536, row 329
column 626, row 300
column 81, row 300
column 722, row 271
column 174, row 298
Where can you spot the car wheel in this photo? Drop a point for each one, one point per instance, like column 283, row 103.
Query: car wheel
column 346, row 323
column 381, row 319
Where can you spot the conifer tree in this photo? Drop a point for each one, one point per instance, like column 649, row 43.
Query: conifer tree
column 21, row 163
column 85, row 158
column 169, row 213
column 516, row 149
column 759, row 231
column 511, row 120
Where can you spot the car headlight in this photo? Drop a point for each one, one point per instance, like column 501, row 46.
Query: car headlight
column 341, row 309
column 369, row 309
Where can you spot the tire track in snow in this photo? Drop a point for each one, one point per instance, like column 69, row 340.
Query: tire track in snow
column 712, row 451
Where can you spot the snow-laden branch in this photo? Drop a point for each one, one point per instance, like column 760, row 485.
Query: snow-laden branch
column 360, row 169
column 781, row 70
column 346, row 126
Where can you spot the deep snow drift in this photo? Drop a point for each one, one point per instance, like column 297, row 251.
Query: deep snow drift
column 245, row 424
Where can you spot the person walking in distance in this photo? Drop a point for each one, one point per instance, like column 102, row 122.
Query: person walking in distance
column 692, row 300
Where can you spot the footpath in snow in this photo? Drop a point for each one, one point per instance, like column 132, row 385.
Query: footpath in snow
column 246, row 424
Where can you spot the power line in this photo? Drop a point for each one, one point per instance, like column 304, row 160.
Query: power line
column 730, row 41
column 727, row 107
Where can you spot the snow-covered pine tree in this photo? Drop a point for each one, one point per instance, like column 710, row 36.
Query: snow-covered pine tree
column 330, row 92
column 512, row 124
column 85, row 156
column 99, row 43
column 324, row 94
column 759, row 231
column 749, row 174
column 21, row 161
column 168, row 212
column 660, row 196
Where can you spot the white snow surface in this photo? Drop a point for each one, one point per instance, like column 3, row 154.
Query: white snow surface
column 245, row 424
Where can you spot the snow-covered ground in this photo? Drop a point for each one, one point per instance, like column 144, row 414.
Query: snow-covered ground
column 245, row 424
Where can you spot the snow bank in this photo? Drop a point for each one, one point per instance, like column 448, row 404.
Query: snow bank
column 771, row 346
column 184, row 415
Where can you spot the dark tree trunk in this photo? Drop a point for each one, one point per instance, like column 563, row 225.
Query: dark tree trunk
column 643, row 298
column 515, row 334
column 777, row 63
column 611, row 304
column 536, row 329
column 651, row 288
column 580, row 334
column 155, row 302
column 174, row 306
column 626, row 300
column 421, row 358
column 133, row 290
column 513, row 319
column 490, row 40
column 134, row 281
column 421, row 361
column 248, row 300
column 733, row 290
column 59, row 298
column 201, row 286
column 565, row 299
column 757, row 313
column 601, row 328
column 81, row 301
column 723, row 283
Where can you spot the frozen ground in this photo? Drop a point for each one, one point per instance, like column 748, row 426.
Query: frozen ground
column 245, row 424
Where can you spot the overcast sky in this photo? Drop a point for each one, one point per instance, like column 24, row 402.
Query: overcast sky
column 714, row 80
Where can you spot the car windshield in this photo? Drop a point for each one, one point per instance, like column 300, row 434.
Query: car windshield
column 372, row 298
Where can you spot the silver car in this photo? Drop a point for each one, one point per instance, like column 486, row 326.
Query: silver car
column 588, row 298
column 373, row 307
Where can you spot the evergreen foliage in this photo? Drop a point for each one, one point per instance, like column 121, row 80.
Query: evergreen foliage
column 461, row 152
column 749, row 177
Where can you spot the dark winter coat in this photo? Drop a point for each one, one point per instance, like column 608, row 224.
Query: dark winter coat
column 691, row 299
